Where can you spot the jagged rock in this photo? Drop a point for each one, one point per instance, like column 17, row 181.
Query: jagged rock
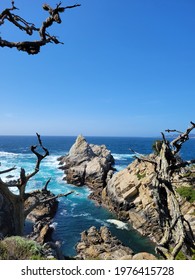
column 41, row 216
column 47, row 209
column 131, row 193
column 87, row 164
column 100, row 244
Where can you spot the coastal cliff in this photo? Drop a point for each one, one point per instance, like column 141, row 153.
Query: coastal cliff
column 131, row 194
column 146, row 193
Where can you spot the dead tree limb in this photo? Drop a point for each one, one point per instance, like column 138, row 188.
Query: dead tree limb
column 13, row 204
column 33, row 47
column 40, row 202
column 181, row 139
column 8, row 170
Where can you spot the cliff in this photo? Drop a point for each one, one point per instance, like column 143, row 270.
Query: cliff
column 131, row 193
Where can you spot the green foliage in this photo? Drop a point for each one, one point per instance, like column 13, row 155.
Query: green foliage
column 187, row 192
column 189, row 174
column 141, row 175
column 156, row 146
column 19, row 248
column 181, row 256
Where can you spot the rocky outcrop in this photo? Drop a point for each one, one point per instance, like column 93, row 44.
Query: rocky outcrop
column 101, row 245
column 87, row 164
column 42, row 218
column 42, row 215
column 131, row 194
column 44, row 210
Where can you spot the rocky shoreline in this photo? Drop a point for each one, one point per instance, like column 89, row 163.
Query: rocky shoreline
column 129, row 193
column 101, row 245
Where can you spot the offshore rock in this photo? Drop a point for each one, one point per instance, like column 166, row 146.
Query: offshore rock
column 87, row 164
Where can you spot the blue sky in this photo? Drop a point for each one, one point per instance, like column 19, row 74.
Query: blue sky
column 127, row 68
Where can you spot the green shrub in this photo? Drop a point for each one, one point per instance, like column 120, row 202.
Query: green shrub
column 156, row 146
column 187, row 192
column 19, row 248
column 141, row 175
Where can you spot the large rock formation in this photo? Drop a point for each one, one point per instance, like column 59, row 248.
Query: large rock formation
column 132, row 195
column 87, row 164
column 100, row 244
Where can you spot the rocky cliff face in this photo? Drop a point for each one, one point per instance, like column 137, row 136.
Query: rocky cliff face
column 87, row 164
column 132, row 195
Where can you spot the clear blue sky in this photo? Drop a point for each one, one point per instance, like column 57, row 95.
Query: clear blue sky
column 127, row 68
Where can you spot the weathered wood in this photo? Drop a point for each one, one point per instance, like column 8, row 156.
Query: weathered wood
column 177, row 231
column 34, row 46
column 12, row 210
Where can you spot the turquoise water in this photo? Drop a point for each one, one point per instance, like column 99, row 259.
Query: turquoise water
column 76, row 212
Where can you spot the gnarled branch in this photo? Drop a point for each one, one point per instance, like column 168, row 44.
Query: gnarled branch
column 33, row 47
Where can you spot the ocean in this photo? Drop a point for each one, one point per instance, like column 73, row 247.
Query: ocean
column 76, row 212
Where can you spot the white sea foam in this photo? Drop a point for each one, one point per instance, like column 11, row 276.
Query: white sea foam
column 101, row 222
column 53, row 225
column 120, row 167
column 64, row 212
column 118, row 224
column 123, row 156
column 7, row 154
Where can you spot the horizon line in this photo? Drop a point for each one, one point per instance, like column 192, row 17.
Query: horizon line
column 109, row 136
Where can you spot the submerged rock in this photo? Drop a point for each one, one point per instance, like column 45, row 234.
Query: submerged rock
column 87, row 164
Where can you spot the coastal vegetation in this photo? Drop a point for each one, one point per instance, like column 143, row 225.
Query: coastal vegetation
column 20, row 248
column 187, row 192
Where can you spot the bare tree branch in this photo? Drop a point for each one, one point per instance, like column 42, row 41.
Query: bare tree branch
column 8, row 170
column 39, row 202
column 33, row 47
column 181, row 139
